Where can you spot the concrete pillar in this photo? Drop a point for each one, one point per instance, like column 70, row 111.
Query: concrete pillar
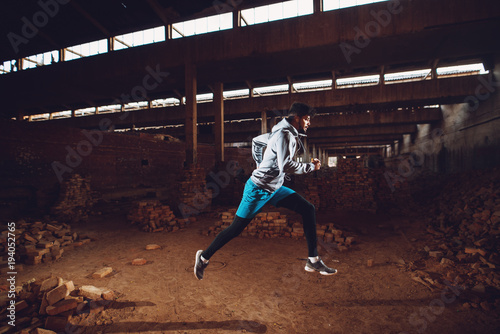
column 434, row 69
column 318, row 6
column 111, row 44
column 263, row 122
column 191, row 129
column 20, row 115
column 313, row 151
column 219, row 121
column 236, row 18
column 168, row 31
column 62, row 55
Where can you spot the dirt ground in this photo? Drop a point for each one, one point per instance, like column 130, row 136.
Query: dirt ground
column 259, row 285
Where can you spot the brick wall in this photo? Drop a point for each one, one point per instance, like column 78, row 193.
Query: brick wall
column 37, row 156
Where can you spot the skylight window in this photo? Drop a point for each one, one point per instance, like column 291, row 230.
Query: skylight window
column 41, row 59
column 339, row 4
column 408, row 76
column 366, row 80
column 461, row 70
column 39, row 117
column 271, row 90
column 109, row 108
column 208, row 97
column 136, row 105
column 202, row 25
column 277, row 11
column 61, row 114
column 7, row 67
column 85, row 111
column 312, row 85
column 236, row 94
column 86, row 49
column 142, row 37
column 169, row 102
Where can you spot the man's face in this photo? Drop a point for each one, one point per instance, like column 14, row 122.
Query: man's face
column 305, row 122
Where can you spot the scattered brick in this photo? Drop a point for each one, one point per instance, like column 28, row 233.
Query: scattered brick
column 90, row 292
column 55, row 295
column 62, row 306
column 102, row 272
column 56, row 323
column 139, row 262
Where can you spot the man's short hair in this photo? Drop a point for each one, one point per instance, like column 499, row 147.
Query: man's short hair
column 301, row 110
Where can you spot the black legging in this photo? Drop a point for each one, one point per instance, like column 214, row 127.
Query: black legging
column 294, row 202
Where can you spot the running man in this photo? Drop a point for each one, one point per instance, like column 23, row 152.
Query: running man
column 266, row 186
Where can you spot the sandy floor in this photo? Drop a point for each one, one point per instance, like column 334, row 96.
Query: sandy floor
column 260, row 286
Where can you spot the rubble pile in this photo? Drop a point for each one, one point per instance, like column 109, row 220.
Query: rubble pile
column 193, row 194
column 465, row 232
column 38, row 242
column 54, row 305
column 152, row 216
column 277, row 225
column 75, row 200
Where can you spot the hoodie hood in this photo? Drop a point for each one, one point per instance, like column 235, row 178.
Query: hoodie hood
column 286, row 126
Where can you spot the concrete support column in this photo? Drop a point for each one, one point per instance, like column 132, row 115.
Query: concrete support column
column 219, row 121
column 111, row 44
column 263, row 122
column 20, row 115
column 168, row 31
column 236, row 19
column 191, row 129
column 318, row 6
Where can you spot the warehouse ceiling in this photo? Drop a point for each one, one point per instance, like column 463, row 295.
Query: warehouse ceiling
column 73, row 22
column 284, row 52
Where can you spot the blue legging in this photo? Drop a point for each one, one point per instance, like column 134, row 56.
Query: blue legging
column 294, row 202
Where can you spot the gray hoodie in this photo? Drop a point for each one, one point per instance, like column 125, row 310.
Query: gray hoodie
column 281, row 146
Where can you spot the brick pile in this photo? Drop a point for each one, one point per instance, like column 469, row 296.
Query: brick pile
column 54, row 305
column 38, row 242
column 355, row 187
column 192, row 192
column 152, row 216
column 75, row 200
column 352, row 186
column 464, row 228
column 278, row 225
